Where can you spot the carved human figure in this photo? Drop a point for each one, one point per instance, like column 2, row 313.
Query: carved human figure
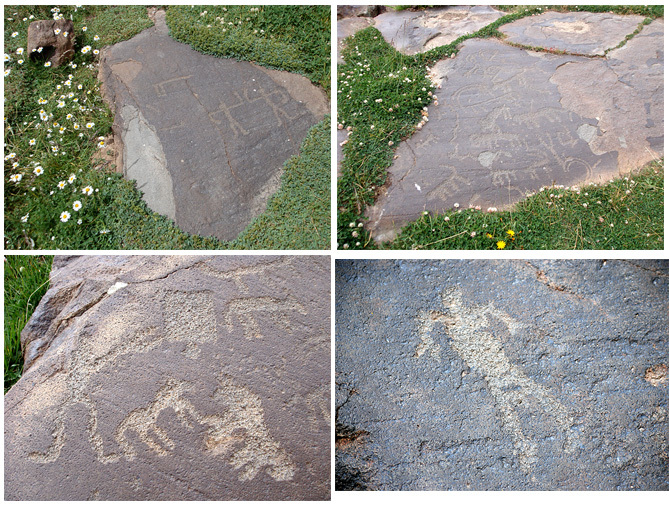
column 468, row 329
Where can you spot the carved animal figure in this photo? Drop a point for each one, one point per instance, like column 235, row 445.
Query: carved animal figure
column 244, row 423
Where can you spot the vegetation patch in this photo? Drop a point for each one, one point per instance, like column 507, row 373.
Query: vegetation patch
column 625, row 213
column 59, row 191
column 283, row 37
column 26, row 281
column 383, row 98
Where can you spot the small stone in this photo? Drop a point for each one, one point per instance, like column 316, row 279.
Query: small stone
column 57, row 49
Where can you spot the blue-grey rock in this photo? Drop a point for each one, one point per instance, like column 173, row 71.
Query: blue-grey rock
column 502, row 375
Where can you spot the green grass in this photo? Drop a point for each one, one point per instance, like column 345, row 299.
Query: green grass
column 56, row 197
column 374, row 70
column 298, row 215
column 284, row 37
column 26, row 282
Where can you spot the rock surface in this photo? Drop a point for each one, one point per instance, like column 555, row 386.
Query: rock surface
column 174, row 378
column 585, row 33
column 412, row 32
column 205, row 137
column 512, row 120
column 502, row 375
column 51, row 41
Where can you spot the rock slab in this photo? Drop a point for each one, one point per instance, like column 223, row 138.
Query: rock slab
column 412, row 32
column 585, row 33
column 577, row 120
column 205, row 138
column 502, row 375
column 174, row 378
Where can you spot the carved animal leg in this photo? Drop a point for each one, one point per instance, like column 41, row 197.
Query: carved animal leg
column 53, row 452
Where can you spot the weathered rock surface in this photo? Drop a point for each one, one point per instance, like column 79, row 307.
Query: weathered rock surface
column 205, row 137
column 54, row 37
column 347, row 27
column 412, row 32
column 511, row 121
column 502, row 375
column 585, row 33
column 179, row 377
column 351, row 11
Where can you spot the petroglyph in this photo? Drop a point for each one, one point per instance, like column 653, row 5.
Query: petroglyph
column 243, row 310
column 189, row 317
column 470, row 336
column 244, row 422
column 237, row 275
column 170, row 86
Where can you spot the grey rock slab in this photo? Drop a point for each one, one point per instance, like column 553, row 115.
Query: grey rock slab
column 511, row 121
column 625, row 93
column 205, row 137
column 502, row 375
column 174, row 378
column 412, row 32
column 347, row 27
column 584, row 33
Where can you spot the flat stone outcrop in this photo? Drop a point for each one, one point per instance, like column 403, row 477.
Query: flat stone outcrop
column 511, row 120
column 586, row 33
column 205, row 138
column 174, row 378
column 412, row 32
column 502, row 375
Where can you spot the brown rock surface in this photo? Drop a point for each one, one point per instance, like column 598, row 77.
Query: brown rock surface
column 180, row 378
column 55, row 37
column 204, row 137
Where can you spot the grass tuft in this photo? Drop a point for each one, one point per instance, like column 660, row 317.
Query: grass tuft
column 26, row 281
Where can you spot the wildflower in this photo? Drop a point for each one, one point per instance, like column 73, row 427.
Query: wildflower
column 488, row 235
column 97, row 37
column 14, row 34
column 54, row 149
column 85, row 49
column 390, row 143
column 64, row 216
column 76, row 126
column 90, row 125
column 7, row 57
column 24, row 219
column 76, row 205
column 79, row 221
column 47, row 64
column 56, row 31
column 473, row 234
column 39, row 170
column 15, row 178
column 87, row 190
column 446, row 218
column 62, row 185
column 456, row 205
column 510, row 233
column 42, row 101
column 61, row 104
column 84, row 28
column 101, row 144
column 501, row 245
column 96, row 51
column 71, row 178
column 7, row 72
column 105, row 231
